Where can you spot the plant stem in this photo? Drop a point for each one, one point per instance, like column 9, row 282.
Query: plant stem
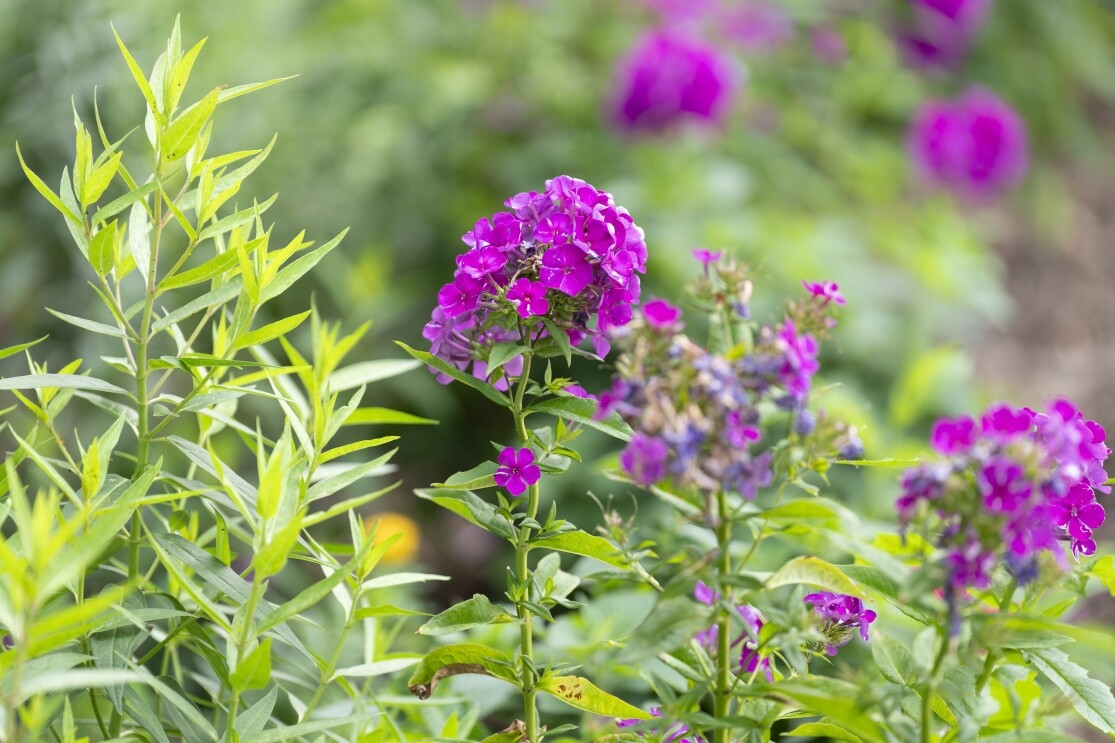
column 724, row 621
column 242, row 638
column 522, row 568
column 931, row 689
column 992, row 654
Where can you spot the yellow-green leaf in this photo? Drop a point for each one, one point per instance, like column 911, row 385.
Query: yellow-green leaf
column 584, row 695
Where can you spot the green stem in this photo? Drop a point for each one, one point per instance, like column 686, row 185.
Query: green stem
column 242, row 639
column 522, row 568
column 724, row 621
column 992, row 654
column 931, row 689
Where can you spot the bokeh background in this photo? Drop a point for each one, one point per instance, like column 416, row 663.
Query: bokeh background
column 819, row 139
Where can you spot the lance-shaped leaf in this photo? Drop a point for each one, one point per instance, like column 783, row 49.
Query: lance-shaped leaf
column 474, row 612
column 479, row 385
column 452, row 660
column 588, row 545
column 480, row 476
column 584, row 695
column 813, row 571
column 64, row 381
column 581, row 411
column 470, row 507
column 1091, row 698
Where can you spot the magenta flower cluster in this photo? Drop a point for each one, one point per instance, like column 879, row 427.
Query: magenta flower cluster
column 974, row 145
column 670, row 76
column 568, row 255
column 677, row 733
column 841, row 615
column 1013, row 483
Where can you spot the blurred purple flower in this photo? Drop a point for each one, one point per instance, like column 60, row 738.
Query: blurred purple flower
column 668, row 77
column 707, row 257
column 827, row 291
column 975, row 146
column 645, row 459
column 756, row 25
column 661, row 314
column 828, row 45
column 942, row 30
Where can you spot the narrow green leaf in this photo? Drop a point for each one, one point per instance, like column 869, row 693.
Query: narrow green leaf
column 387, row 610
column 479, row 477
column 227, row 94
column 400, row 579
column 375, row 668
column 120, row 204
column 294, row 732
column 59, row 381
column 13, row 350
column 137, row 73
column 583, row 543
column 1091, row 699
column 211, row 268
column 47, row 194
column 254, row 670
column 224, row 293
column 254, row 718
column 346, row 477
column 375, row 416
column 479, row 385
column 451, row 660
column 226, row 224
column 815, row 572
column 474, row 612
column 581, row 410
column 340, row 451
column 823, row 731
column 893, row 659
column 90, row 325
column 181, row 133
column 102, row 249
column 299, row 268
column 100, row 179
column 470, row 507
column 270, row 331
column 139, row 242
column 584, row 695
column 367, row 372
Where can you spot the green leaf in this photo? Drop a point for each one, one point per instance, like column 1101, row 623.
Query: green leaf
column 887, row 463
column 102, row 256
column 581, row 410
column 227, row 94
column 93, row 327
column 137, row 73
column 347, row 476
column 583, row 543
column 467, row 505
column 43, row 189
column 451, row 660
column 296, row 270
column 815, row 572
column 254, row 718
column 254, row 670
column 387, row 610
column 375, row 668
column 837, row 699
column 1030, row 736
column 893, row 659
column 1091, row 699
column 232, row 221
column 181, row 133
column 211, row 268
column 13, row 350
column 474, row 612
column 139, row 242
column 824, row 731
column 376, row 416
column 479, row 385
column 501, row 353
column 59, row 381
column 1103, row 570
column 560, row 338
column 270, row 331
column 340, row 451
column 227, row 291
column 672, row 624
column 120, row 204
column 1018, row 631
column 367, row 372
column 100, row 179
column 479, row 477
column 286, row 733
column 584, row 695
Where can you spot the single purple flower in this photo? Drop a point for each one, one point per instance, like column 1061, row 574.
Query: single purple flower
column 839, row 613
column 480, row 262
column 645, row 459
column 529, row 298
column 1079, row 514
column 826, row 291
column 566, row 269
column 668, row 77
column 517, row 470
column 970, row 565
column 1004, row 424
column 661, row 315
column 953, row 435
column 799, row 360
column 460, row 296
column 707, row 257
column 942, row 30
column 1004, row 485
column 975, row 145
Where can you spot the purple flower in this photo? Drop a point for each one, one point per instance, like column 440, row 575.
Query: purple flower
column 460, row 296
column 750, row 660
column 942, row 30
column 826, row 291
column 839, row 613
column 799, row 360
column 517, row 470
column 566, row 269
column 678, row 732
column 974, row 146
column 479, row 262
column 1079, row 514
column 1004, row 424
column 668, row 77
column 707, row 257
column 661, row 315
column 828, row 46
column 758, row 25
column 529, row 298
column 1004, row 485
column 970, row 565
column 953, row 435
column 645, row 459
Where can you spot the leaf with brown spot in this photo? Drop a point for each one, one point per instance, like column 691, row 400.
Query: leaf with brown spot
column 584, row 695
column 452, row 660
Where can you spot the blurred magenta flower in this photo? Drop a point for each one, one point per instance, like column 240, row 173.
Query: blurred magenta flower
column 942, row 30
column 669, row 77
column 756, row 25
column 974, row 146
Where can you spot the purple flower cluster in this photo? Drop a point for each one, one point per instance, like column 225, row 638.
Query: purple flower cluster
column 974, row 145
column 1014, row 483
column 696, row 414
column 668, row 77
column 942, row 30
column 568, row 255
column 841, row 615
column 749, row 659
column 678, row 732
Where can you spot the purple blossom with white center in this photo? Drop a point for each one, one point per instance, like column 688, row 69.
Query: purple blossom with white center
column 460, row 296
column 645, row 459
column 529, row 298
column 974, row 146
column 826, row 291
column 517, row 470
column 669, row 77
column 565, row 268
column 1003, row 484
column 1079, row 515
column 480, row 262
column 840, row 615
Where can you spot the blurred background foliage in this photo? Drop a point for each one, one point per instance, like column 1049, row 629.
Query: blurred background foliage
column 411, row 119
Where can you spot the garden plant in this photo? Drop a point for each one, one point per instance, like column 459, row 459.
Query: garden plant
column 181, row 533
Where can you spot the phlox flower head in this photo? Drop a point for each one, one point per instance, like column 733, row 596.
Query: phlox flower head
column 568, row 255
column 825, row 291
column 975, row 146
column 1013, row 483
column 942, row 31
column 670, row 77
column 517, row 470
column 841, row 616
